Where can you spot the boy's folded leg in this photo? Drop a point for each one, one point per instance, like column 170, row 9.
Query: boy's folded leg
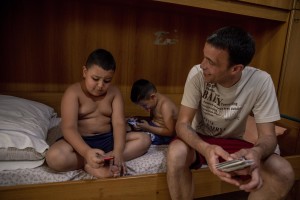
column 101, row 172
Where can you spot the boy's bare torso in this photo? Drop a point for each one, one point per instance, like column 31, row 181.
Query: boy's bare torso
column 157, row 115
column 94, row 113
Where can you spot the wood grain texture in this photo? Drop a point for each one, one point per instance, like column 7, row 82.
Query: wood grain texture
column 147, row 187
column 44, row 44
column 289, row 93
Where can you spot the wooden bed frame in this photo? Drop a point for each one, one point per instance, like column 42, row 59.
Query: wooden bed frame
column 144, row 187
column 135, row 187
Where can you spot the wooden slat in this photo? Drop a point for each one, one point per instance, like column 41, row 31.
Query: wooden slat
column 284, row 4
column 289, row 93
column 236, row 8
column 295, row 162
column 134, row 188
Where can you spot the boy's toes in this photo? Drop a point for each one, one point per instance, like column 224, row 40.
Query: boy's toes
column 115, row 170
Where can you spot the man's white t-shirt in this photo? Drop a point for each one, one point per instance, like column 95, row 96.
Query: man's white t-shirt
column 222, row 112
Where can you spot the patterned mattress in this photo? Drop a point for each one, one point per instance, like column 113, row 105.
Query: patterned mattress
column 154, row 161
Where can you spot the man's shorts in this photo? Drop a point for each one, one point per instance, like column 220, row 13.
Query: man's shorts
column 229, row 145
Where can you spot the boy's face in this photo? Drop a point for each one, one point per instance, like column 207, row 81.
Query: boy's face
column 148, row 104
column 97, row 80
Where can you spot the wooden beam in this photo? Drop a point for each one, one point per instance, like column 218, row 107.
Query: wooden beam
column 146, row 187
column 236, row 7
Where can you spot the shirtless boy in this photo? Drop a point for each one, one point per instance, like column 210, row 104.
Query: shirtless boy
column 163, row 112
column 93, row 123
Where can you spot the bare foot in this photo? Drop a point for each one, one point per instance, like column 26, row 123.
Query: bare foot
column 101, row 172
column 115, row 171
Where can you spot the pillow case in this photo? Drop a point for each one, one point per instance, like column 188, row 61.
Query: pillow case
column 23, row 128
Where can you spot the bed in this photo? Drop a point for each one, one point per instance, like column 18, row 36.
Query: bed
column 24, row 175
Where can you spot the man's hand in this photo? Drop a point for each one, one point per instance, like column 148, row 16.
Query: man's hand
column 213, row 154
column 255, row 181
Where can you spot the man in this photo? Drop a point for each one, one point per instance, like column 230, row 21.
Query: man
column 212, row 118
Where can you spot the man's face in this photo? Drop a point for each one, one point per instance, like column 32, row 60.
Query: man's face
column 215, row 65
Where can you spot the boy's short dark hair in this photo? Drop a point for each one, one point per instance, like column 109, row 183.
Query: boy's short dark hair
column 101, row 58
column 141, row 90
column 239, row 44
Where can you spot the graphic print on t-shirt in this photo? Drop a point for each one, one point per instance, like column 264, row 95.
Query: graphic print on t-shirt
column 214, row 107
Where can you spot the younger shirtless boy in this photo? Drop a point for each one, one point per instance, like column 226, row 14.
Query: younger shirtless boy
column 93, row 123
column 163, row 112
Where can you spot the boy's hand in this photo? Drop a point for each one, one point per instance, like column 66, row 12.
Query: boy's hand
column 133, row 124
column 143, row 124
column 95, row 158
column 120, row 164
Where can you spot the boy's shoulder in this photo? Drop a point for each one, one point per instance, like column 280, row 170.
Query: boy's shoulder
column 166, row 98
column 73, row 88
column 167, row 101
column 113, row 89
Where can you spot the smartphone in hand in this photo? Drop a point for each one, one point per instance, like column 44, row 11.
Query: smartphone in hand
column 107, row 160
column 233, row 165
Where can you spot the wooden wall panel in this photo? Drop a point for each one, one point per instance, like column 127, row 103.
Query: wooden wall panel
column 289, row 96
column 49, row 41
column 44, row 44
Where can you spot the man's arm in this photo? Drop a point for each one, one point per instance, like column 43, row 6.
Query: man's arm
column 186, row 132
column 189, row 135
column 263, row 148
column 267, row 140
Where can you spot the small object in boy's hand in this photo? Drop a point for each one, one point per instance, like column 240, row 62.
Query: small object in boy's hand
column 233, row 165
column 107, row 160
column 132, row 121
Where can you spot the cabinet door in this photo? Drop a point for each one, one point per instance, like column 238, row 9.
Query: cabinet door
column 289, row 93
column 297, row 4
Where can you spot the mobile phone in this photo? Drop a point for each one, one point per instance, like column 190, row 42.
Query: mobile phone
column 233, row 165
column 107, row 159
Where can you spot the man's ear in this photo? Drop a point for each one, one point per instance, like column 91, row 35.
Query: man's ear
column 237, row 68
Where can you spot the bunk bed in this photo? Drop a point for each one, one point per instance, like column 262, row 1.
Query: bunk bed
column 137, row 22
column 142, row 184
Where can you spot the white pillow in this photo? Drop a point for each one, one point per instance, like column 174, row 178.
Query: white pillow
column 23, row 128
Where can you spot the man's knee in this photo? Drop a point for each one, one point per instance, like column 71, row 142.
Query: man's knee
column 285, row 172
column 281, row 171
column 179, row 154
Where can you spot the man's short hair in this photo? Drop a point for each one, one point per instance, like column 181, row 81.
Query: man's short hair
column 239, row 44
